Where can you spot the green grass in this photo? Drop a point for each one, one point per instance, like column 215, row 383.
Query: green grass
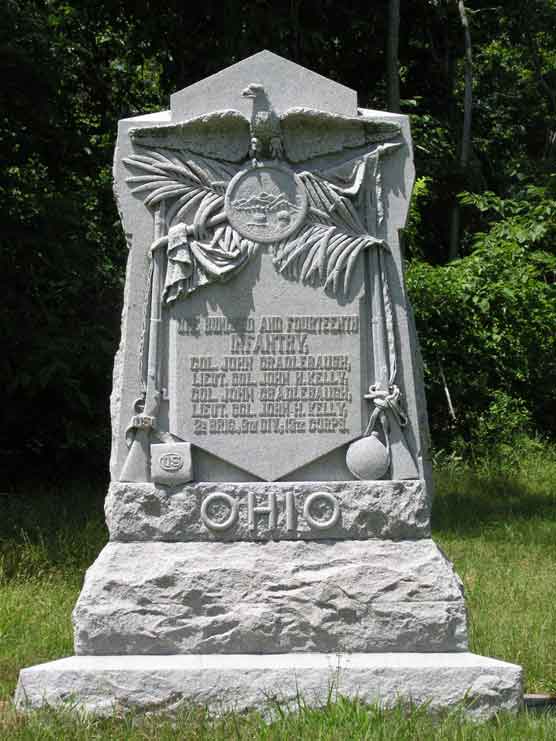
column 495, row 520
column 497, row 523
column 48, row 537
column 339, row 721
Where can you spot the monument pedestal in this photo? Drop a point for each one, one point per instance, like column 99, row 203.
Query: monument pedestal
column 190, row 611
column 275, row 597
column 107, row 684
column 269, row 568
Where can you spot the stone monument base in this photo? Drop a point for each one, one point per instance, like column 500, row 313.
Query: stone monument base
column 333, row 597
column 107, row 684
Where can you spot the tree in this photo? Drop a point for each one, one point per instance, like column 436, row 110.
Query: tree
column 68, row 77
column 465, row 147
column 392, row 63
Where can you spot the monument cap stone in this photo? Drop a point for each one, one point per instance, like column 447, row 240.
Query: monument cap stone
column 286, row 83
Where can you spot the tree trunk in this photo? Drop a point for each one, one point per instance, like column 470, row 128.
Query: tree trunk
column 465, row 151
column 550, row 136
column 392, row 63
column 468, row 101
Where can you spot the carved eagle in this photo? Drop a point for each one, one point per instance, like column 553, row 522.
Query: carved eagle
column 189, row 166
column 299, row 134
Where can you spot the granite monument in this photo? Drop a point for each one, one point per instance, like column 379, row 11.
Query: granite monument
column 269, row 511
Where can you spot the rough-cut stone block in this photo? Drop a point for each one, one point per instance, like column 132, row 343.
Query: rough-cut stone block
column 353, row 596
column 392, row 510
column 102, row 684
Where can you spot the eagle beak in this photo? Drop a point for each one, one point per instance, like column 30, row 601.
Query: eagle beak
column 249, row 93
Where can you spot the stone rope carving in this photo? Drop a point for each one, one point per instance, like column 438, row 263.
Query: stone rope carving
column 369, row 458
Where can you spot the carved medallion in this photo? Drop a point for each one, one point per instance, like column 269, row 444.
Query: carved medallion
column 266, row 204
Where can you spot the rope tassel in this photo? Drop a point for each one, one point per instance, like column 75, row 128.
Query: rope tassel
column 385, row 400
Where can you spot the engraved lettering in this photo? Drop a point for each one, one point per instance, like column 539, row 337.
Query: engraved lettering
column 220, row 511
column 209, row 410
column 238, row 393
column 171, row 462
column 190, row 326
column 223, row 325
column 267, row 379
column 208, row 379
column 291, row 512
column 203, row 394
column 202, row 362
column 233, row 363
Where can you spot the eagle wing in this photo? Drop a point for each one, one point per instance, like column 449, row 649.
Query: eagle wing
column 308, row 133
column 222, row 135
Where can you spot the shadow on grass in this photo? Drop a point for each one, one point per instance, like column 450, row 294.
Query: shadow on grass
column 495, row 494
column 48, row 529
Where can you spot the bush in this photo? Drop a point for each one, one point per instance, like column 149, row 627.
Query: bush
column 488, row 323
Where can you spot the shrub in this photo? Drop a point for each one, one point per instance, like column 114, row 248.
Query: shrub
column 488, row 323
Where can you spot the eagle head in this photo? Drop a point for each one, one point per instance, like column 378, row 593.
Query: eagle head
column 252, row 90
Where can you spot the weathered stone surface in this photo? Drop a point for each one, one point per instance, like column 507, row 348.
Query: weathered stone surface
column 101, row 684
column 171, row 463
column 256, row 398
column 353, row 596
column 391, row 510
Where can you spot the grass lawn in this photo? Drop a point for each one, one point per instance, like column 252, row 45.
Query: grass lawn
column 497, row 522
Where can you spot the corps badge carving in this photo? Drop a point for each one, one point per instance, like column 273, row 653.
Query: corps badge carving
column 171, row 463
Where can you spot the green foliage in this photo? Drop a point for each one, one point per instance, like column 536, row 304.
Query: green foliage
column 68, row 77
column 527, row 220
column 515, row 89
column 496, row 519
column 414, row 233
column 46, row 531
column 502, row 424
column 340, row 720
column 488, row 322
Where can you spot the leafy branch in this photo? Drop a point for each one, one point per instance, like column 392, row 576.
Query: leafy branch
column 189, row 182
column 329, row 244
